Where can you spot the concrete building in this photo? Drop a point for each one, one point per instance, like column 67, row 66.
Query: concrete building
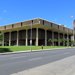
column 42, row 31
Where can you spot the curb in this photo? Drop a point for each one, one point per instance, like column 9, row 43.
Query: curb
column 28, row 51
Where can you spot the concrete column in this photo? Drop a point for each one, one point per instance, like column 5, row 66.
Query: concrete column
column 72, row 39
column 67, row 39
column 9, row 38
column 17, row 38
column 26, row 37
column 58, row 39
column 45, row 37
column 63, row 41
column 3, row 39
column 37, row 37
column 52, row 38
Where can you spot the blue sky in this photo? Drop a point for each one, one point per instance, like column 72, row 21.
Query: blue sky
column 58, row 11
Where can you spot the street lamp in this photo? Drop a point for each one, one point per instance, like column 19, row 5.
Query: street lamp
column 73, row 30
column 73, row 27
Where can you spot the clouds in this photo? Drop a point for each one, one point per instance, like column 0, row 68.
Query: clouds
column 2, row 15
column 4, row 11
column 2, row 19
column 72, row 16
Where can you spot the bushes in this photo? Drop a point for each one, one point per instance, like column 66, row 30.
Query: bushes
column 2, row 50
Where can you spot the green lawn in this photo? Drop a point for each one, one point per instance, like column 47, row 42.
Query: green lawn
column 23, row 48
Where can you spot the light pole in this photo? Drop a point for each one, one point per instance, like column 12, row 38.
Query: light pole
column 30, row 36
column 73, row 31
column 73, row 27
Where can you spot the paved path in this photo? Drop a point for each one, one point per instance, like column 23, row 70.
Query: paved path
column 14, row 63
column 62, row 67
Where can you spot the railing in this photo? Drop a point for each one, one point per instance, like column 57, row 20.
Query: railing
column 27, row 23
column 55, row 26
column 61, row 28
column 2, row 28
column 8, row 27
column 17, row 25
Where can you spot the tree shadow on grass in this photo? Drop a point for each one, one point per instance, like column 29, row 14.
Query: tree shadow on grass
column 2, row 50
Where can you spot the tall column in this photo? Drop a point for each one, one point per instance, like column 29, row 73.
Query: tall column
column 52, row 38
column 9, row 38
column 26, row 37
column 63, row 39
column 72, row 39
column 67, row 39
column 58, row 39
column 37, row 37
column 45, row 37
column 3, row 39
column 17, row 38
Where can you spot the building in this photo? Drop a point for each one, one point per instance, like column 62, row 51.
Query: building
column 37, row 30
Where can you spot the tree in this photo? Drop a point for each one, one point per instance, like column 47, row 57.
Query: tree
column 65, row 41
column 1, row 38
column 52, row 41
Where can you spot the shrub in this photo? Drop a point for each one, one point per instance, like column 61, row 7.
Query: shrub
column 2, row 50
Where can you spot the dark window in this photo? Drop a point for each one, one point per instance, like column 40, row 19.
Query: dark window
column 51, row 24
column 12, row 25
column 43, row 22
column 5, row 27
column 21, row 24
column 58, row 26
column 32, row 21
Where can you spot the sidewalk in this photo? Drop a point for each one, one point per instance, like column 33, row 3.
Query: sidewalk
column 17, row 52
column 64, row 66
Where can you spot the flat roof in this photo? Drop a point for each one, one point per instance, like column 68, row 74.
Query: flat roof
column 36, row 23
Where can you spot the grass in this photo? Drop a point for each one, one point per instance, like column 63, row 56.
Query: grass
column 24, row 48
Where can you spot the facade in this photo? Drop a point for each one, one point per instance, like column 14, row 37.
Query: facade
column 37, row 30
